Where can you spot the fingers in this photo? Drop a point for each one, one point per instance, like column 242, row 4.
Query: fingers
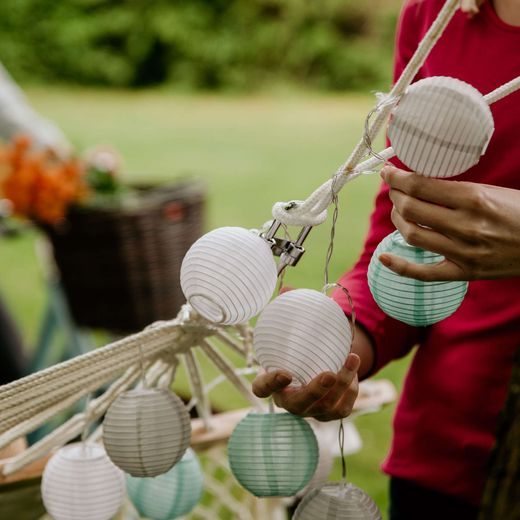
column 298, row 400
column 449, row 194
column 267, row 383
column 339, row 401
column 424, row 238
column 441, row 271
column 421, row 212
column 327, row 397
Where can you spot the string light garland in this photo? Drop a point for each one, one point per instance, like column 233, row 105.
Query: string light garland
column 337, row 501
column 304, row 332
column 273, row 454
column 146, row 431
column 229, row 275
column 408, row 300
column 171, row 495
column 81, row 483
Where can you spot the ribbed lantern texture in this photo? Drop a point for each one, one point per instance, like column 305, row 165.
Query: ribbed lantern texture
column 337, row 501
column 171, row 495
column 440, row 127
column 412, row 301
column 273, row 454
column 79, row 482
column 146, row 431
column 229, row 275
column 302, row 331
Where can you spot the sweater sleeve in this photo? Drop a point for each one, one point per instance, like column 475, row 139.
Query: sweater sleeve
column 391, row 339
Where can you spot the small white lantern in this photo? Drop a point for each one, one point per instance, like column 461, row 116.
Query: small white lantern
column 171, row 495
column 79, row 482
column 146, row 431
column 440, row 127
column 304, row 332
column 337, row 501
column 408, row 300
column 229, row 275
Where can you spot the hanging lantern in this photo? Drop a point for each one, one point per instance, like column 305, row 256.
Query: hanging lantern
column 171, row 495
column 304, row 332
column 273, row 454
column 412, row 301
column 80, row 482
column 440, row 127
column 229, row 275
column 146, row 431
column 337, row 501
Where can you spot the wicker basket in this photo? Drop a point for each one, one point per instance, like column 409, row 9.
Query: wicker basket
column 120, row 268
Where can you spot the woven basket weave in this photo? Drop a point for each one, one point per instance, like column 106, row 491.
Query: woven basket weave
column 120, row 267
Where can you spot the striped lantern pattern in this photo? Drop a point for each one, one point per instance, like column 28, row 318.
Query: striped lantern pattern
column 302, row 331
column 79, row 482
column 171, row 495
column 440, row 127
column 229, row 275
column 146, row 431
column 412, row 301
column 337, row 501
column 273, row 454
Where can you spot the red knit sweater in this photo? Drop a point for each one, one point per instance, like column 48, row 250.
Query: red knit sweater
column 456, row 385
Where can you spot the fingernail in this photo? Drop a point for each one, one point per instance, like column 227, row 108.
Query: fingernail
column 282, row 379
column 352, row 362
column 327, row 380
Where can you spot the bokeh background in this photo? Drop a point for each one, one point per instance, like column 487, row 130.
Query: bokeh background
column 262, row 99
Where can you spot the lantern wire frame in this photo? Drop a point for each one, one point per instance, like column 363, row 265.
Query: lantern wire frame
column 158, row 350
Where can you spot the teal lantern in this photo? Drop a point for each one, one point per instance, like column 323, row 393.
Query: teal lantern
column 337, row 501
column 273, row 454
column 170, row 495
column 411, row 301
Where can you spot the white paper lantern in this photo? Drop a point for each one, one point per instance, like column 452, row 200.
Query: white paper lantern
column 79, row 482
column 304, row 332
column 146, row 431
column 408, row 300
column 171, row 495
column 337, row 501
column 440, row 127
column 229, row 275
column 273, row 454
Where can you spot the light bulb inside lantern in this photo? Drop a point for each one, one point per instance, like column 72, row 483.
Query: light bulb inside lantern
column 229, row 275
column 337, row 501
column 440, row 127
column 146, row 431
column 171, row 495
column 304, row 332
column 273, row 454
column 408, row 300
column 80, row 482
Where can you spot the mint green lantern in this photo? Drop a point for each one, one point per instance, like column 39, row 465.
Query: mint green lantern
column 273, row 454
column 411, row 301
column 170, row 495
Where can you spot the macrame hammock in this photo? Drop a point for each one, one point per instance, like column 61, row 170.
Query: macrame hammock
column 149, row 359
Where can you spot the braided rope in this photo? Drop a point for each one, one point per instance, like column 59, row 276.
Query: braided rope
column 313, row 211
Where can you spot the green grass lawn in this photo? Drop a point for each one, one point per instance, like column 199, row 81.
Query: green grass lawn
column 252, row 152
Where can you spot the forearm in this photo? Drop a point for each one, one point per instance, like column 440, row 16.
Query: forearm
column 362, row 346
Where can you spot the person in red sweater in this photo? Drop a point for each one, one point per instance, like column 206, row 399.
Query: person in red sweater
column 445, row 423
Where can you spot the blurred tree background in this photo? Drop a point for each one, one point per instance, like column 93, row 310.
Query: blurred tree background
column 238, row 45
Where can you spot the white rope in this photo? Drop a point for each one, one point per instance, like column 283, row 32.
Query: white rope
column 314, row 210
column 503, row 91
column 239, row 382
column 197, row 388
